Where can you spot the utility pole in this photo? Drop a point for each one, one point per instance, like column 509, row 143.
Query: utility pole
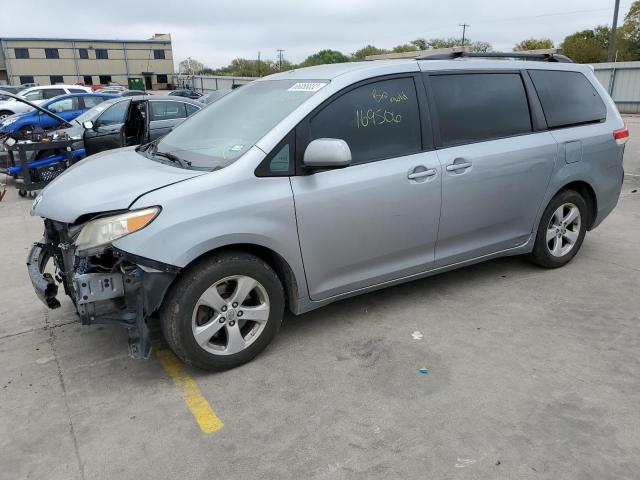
column 612, row 41
column 464, row 31
column 280, row 51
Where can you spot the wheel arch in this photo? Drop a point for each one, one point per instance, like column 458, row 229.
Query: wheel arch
column 588, row 193
column 276, row 261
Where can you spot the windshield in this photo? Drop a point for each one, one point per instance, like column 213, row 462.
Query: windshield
column 226, row 129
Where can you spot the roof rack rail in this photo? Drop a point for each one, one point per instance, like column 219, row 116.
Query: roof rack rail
column 415, row 54
column 546, row 55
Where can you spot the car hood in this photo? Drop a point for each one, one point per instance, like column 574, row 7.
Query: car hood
column 105, row 182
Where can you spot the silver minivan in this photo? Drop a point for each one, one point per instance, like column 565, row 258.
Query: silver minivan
column 317, row 184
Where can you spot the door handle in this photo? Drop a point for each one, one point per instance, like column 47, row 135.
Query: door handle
column 454, row 167
column 426, row 173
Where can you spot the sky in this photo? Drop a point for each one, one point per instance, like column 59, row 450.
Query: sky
column 216, row 32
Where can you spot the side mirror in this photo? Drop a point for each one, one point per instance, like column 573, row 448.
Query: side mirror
column 327, row 153
column 88, row 125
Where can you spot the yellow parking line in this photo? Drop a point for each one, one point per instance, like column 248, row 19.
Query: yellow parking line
column 206, row 418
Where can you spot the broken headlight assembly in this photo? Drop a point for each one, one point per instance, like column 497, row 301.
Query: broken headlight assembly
column 101, row 231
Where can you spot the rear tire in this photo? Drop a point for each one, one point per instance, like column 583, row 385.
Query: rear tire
column 207, row 318
column 561, row 230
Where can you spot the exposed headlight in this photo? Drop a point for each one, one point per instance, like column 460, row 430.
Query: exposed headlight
column 9, row 121
column 102, row 231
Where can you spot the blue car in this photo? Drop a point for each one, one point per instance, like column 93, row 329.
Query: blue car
column 66, row 106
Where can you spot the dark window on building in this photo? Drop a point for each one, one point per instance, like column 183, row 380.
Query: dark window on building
column 56, row 79
column 104, row 79
column 51, row 53
column 48, row 93
column 161, row 79
column 83, row 53
column 166, row 110
column 378, row 120
column 102, row 54
column 476, row 107
column 88, row 80
column 26, row 79
column 567, row 98
column 21, row 52
column 158, row 54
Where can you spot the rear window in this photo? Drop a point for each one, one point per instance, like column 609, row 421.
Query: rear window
column 475, row 107
column 568, row 98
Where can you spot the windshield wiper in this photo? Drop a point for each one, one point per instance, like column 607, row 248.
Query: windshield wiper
column 173, row 158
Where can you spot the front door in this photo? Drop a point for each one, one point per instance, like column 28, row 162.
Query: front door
column 376, row 220
column 147, row 82
column 106, row 133
column 496, row 169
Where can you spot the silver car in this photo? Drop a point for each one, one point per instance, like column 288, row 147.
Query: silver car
column 318, row 184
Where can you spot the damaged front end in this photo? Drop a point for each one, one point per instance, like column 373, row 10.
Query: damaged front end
column 106, row 285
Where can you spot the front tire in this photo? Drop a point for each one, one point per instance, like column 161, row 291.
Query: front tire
column 561, row 230
column 223, row 311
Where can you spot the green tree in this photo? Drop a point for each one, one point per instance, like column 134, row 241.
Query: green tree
column 628, row 40
column 368, row 50
column 420, row 43
column 534, row 44
column 405, row 47
column 325, row 56
column 587, row 46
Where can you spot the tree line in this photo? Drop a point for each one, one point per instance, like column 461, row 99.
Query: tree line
column 586, row 46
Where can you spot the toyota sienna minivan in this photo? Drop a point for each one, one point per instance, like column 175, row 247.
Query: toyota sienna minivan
column 317, row 184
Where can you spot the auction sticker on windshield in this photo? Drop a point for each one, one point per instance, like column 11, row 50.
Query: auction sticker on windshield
column 306, row 87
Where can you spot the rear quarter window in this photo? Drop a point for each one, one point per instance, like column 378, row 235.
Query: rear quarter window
column 567, row 98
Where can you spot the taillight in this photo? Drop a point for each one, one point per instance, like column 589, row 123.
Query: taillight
column 621, row 136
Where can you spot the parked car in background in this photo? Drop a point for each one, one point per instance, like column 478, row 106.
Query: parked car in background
column 186, row 93
column 15, row 89
column 132, row 93
column 37, row 95
column 66, row 106
column 126, row 121
column 214, row 96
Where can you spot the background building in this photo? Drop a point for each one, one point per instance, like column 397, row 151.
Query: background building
column 46, row 61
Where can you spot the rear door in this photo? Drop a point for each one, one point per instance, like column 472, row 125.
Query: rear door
column 164, row 115
column 497, row 161
column 376, row 220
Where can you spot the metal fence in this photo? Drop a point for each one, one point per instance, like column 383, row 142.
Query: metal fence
column 622, row 81
column 209, row 83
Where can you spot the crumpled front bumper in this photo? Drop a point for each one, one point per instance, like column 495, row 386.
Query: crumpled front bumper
column 126, row 296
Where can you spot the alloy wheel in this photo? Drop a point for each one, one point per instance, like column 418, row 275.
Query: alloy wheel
column 230, row 315
column 563, row 230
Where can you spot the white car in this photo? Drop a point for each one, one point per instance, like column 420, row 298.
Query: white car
column 37, row 95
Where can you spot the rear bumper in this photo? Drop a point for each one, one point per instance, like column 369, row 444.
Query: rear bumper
column 126, row 296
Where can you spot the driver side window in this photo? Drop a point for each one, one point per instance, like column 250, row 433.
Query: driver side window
column 113, row 115
column 65, row 105
column 36, row 95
